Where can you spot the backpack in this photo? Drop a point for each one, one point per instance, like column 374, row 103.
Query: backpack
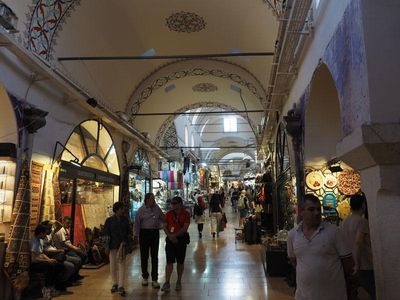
column 198, row 210
column 242, row 204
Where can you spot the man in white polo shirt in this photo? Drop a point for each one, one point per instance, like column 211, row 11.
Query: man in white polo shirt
column 318, row 252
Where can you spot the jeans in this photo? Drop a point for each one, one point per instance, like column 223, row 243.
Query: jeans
column 149, row 240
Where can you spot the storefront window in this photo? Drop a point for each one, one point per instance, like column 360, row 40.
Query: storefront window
column 89, row 187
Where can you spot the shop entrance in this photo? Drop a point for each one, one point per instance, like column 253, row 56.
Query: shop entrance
column 139, row 181
column 89, row 179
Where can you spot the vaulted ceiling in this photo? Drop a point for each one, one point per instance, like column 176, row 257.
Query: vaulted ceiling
column 152, row 56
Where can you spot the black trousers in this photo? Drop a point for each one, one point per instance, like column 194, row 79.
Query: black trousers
column 149, row 240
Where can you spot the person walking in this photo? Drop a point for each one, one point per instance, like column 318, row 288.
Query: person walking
column 149, row 220
column 243, row 207
column 116, row 228
column 356, row 234
column 177, row 222
column 319, row 254
column 198, row 214
column 216, row 214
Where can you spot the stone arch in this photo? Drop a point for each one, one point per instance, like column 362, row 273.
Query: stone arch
column 144, row 91
column 8, row 124
column 322, row 119
column 167, row 123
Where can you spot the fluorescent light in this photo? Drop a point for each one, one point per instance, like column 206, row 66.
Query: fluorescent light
column 210, row 148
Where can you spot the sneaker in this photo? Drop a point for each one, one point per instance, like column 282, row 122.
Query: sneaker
column 121, row 291
column 166, row 287
column 178, row 286
column 145, row 281
column 114, row 288
column 155, row 284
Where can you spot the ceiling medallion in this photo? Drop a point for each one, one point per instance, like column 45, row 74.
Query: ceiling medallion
column 204, row 87
column 185, row 22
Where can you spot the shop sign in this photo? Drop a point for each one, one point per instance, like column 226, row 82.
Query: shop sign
column 70, row 171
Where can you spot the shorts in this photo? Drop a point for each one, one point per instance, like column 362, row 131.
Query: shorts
column 175, row 252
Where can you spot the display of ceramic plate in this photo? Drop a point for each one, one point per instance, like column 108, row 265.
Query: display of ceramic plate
column 349, row 182
column 315, row 180
column 330, row 181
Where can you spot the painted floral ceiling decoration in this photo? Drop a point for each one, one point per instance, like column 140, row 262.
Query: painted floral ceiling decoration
column 204, row 87
column 185, row 22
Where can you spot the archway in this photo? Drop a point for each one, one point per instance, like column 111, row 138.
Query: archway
column 8, row 143
column 322, row 120
column 89, row 178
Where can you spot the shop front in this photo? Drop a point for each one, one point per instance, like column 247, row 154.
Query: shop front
column 139, row 181
column 88, row 179
column 8, row 160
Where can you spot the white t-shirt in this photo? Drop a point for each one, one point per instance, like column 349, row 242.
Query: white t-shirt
column 61, row 237
column 353, row 224
column 319, row 271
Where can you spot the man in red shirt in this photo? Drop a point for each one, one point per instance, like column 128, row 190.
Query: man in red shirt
column 176, row 224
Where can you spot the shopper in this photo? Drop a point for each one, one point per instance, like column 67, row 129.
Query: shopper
column 116, row 228
column 356, row 233
column 319, row 254
column 216, row 214
column 50, row 267
column 176, row 224
column 198, row 214
column 62, row 241
column 149, row 220
column 243, row 207
column 59, row 254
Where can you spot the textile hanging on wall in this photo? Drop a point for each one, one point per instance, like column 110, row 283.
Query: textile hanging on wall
column 47, row 208
column 174, row 179
column 18, row 251
column 57, row 192
column 36, row 193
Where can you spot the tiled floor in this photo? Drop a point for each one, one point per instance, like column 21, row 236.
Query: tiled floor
column 214, row 269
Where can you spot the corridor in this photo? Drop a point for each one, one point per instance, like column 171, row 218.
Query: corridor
column 214, row 269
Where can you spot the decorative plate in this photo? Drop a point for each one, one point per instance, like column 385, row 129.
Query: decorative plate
column 330, row 181
column 349, row 182
column 315, row 180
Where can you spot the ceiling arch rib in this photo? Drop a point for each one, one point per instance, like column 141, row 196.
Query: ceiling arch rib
column 167, row 122
column 200, row 68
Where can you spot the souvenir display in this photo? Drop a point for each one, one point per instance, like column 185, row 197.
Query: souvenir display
column 329, row 203
column 315, row 180
column 330, row 181
column 349, row 182
column 344, row 209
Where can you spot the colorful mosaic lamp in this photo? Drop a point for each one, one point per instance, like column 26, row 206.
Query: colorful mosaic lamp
column 8, row 19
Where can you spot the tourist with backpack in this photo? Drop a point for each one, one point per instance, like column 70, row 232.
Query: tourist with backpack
column 243, row 207
column 198, row 214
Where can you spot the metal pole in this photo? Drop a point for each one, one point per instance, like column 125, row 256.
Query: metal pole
column 73, row 209
column 182, row 56
column 198, row 113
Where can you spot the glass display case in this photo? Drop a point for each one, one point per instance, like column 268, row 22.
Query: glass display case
column 7, row 185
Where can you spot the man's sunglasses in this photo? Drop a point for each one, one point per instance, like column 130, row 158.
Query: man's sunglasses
column 173, row 203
